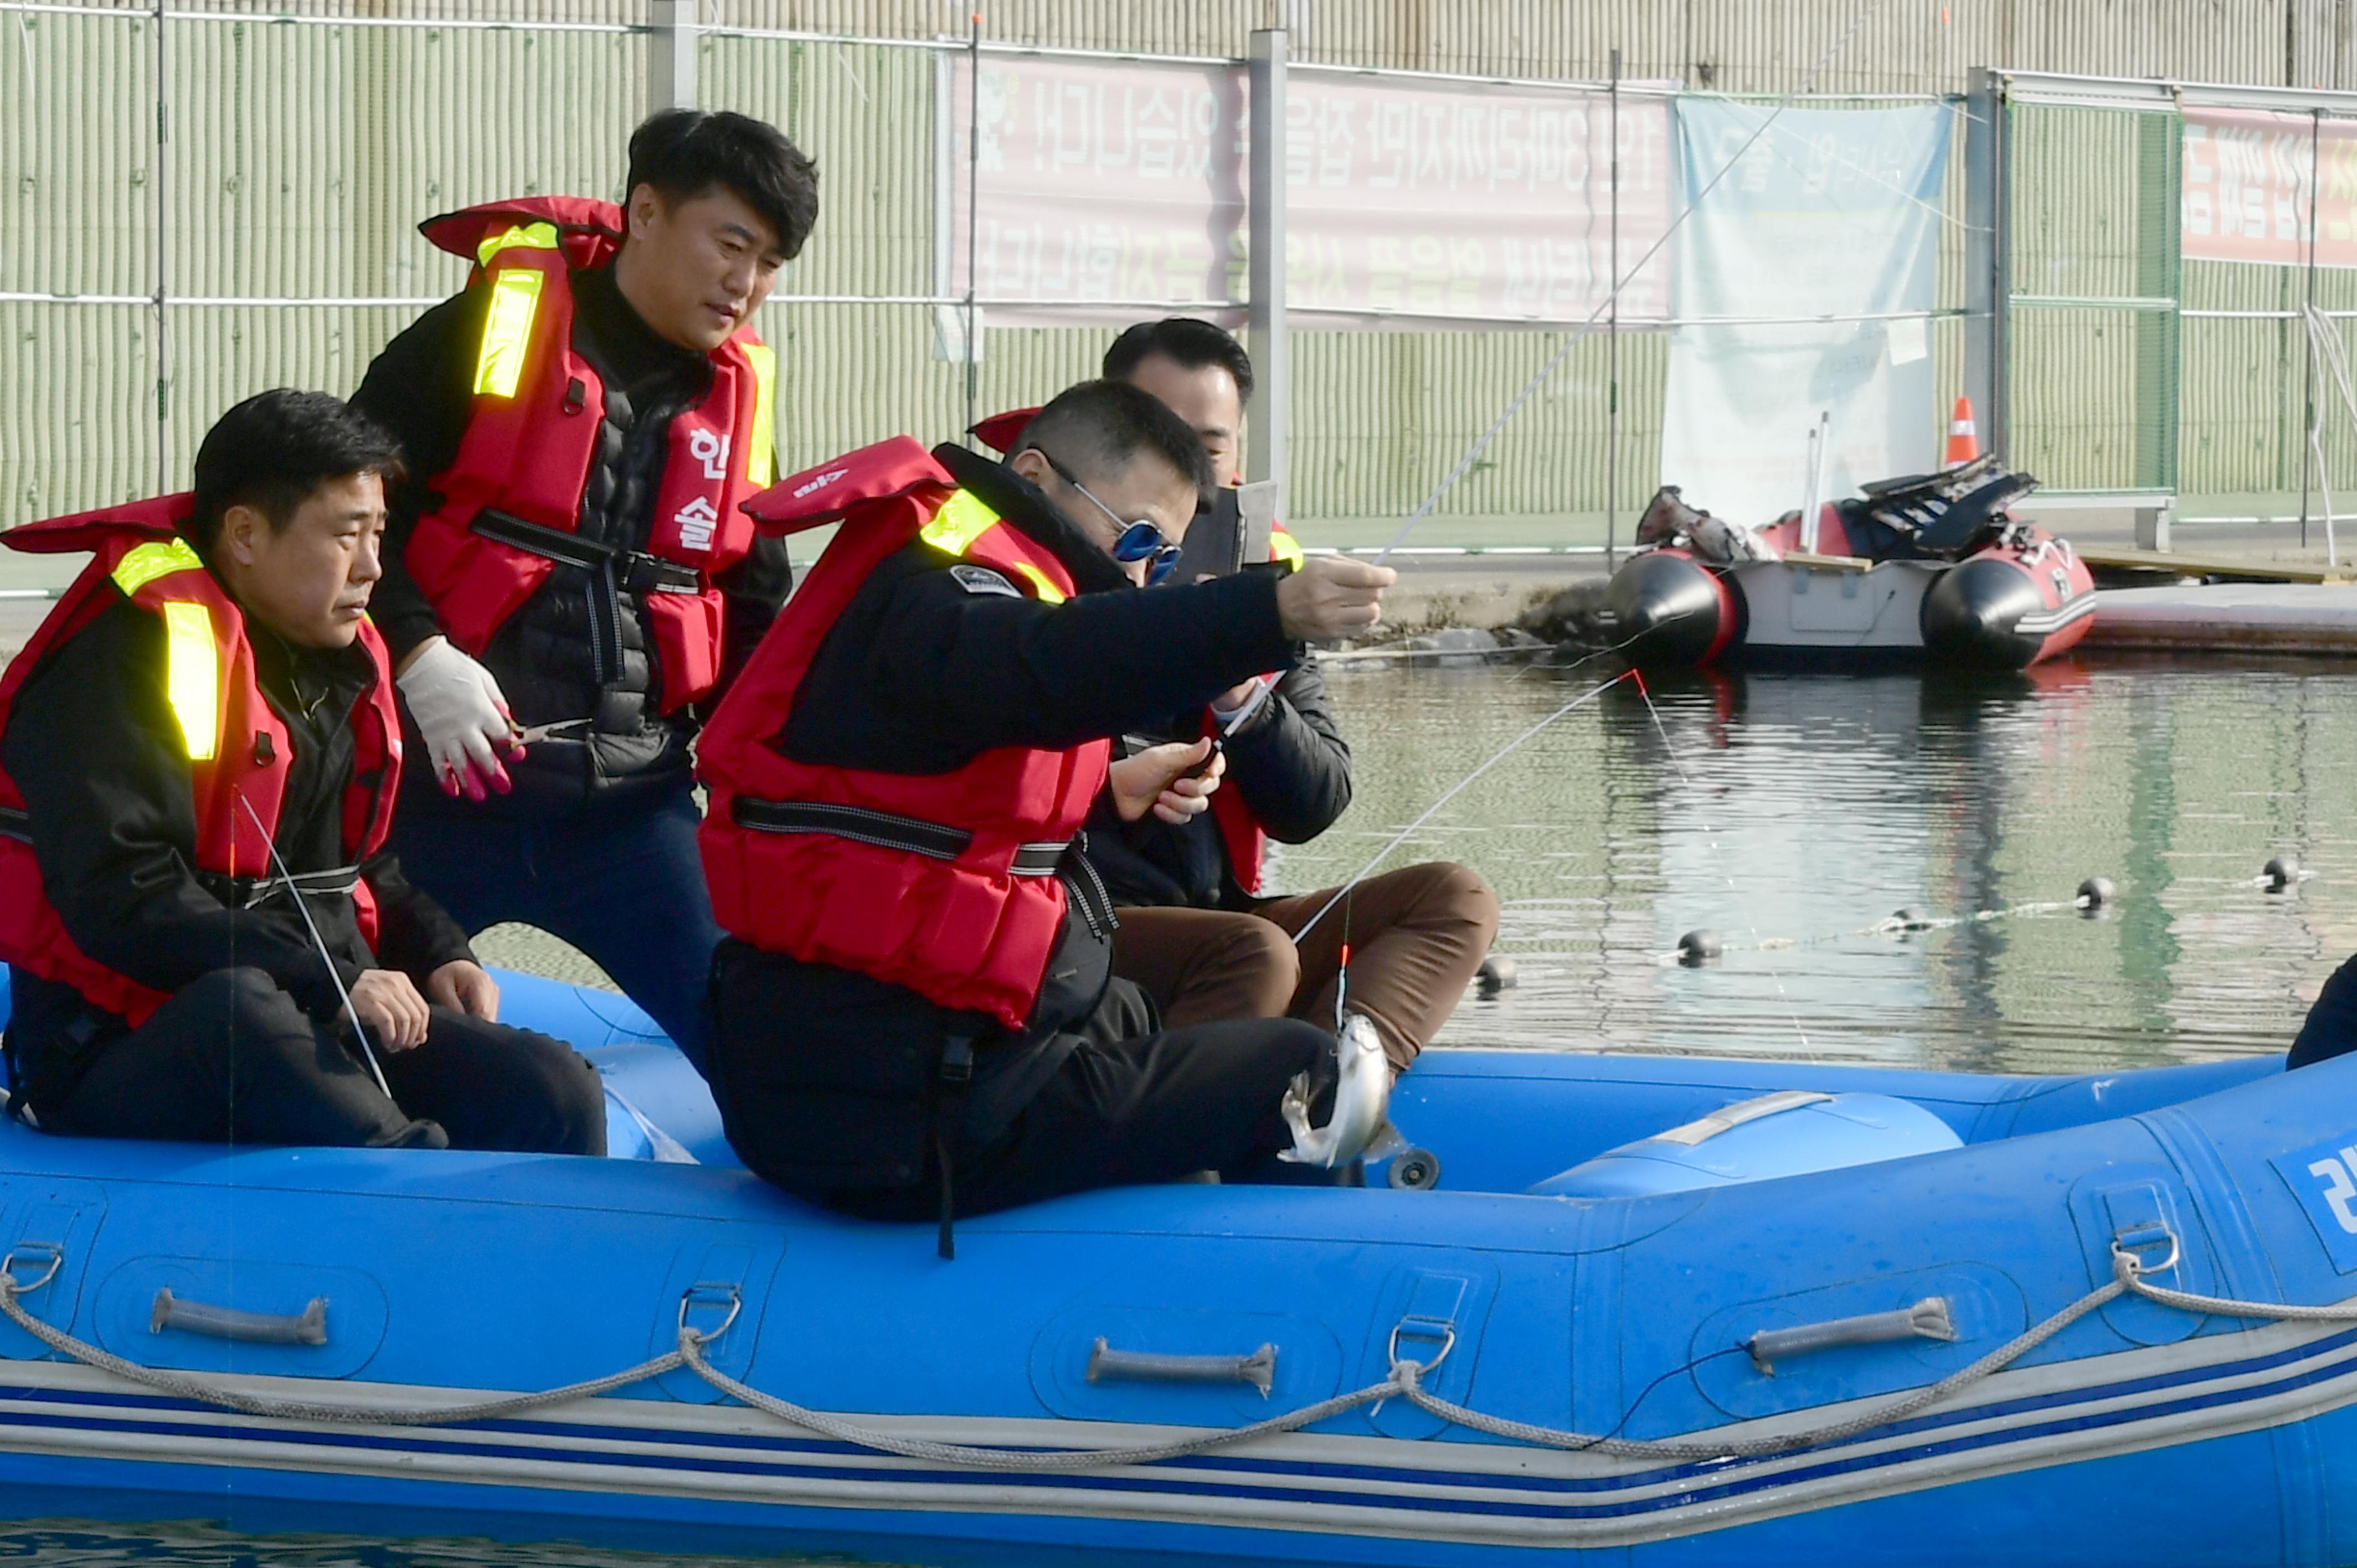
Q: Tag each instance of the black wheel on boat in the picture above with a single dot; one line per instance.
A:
(1668, 609)
(1972, 615)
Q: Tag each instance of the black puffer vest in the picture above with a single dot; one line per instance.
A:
(577, 655)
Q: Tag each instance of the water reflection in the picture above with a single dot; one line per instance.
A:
(1793, 812)
(79, 1543)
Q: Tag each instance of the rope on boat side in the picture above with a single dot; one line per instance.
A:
(163, 1381)
(1404, 1382)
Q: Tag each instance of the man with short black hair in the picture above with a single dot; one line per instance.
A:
(206, 938)
(1199, 937)
(569, 583)
(915, 1012)
(1202, 373)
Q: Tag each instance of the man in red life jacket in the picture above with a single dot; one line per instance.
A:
(201, 753)
(915, 1012)
(570, 580)
(1195, 932)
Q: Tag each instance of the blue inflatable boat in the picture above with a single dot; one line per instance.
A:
(1618, 1310)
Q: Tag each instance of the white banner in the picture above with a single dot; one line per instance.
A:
(1105, 183)
(1832, 212)
(2251, 188)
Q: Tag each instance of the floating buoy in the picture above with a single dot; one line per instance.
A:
(2279, 873)
(1496, 974)
(1909, 919)
(2096, 891)
(1699, 946)
(1415, 1170)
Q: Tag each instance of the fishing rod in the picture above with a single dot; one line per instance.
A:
(1619, 285)
(294, 892)
(1454, 790)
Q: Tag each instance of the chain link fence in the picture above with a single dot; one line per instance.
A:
(2166, 245)
(200, 204)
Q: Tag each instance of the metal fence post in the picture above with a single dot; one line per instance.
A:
(2159, 275)
(162, 252)
(670, 56)
(1265, 450)
(1988, 269)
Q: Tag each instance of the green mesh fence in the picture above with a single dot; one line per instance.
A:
(2136, 369)
(2092, 375)
(303, 157)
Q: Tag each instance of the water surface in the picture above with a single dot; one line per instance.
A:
(1793, 812)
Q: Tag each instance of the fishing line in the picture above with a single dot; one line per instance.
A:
(1630, 1414)
(295, 893)
(1454, 790)
(1530, 387)
(1907, 923)
(1718, 853)
(1588, 658)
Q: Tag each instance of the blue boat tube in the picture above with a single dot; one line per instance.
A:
(1898, 1317)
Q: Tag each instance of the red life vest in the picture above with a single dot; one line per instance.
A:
(238, 750)
(1240, 831)
(511, 500)
(943, 883)
(1247, 844)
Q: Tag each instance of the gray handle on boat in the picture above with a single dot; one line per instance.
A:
(1927, 1319)
(1259, 1368)
(308, 1326)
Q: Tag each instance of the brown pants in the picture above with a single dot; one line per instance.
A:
(1416, 937)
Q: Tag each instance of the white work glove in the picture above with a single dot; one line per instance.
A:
(463, 717)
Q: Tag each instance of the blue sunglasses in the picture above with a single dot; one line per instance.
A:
(1139, 541)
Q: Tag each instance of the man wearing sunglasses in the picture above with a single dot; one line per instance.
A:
(914, 1015)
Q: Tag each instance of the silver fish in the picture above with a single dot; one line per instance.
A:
(1362, 1095)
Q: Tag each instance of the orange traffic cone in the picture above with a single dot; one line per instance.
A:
(1963, 441)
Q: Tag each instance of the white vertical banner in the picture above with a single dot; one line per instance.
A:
(1831, 212)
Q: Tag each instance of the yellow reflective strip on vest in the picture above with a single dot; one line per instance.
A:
(1046, 591)
(507, 331)
(1283, 546)
(192, 675)
(530, 236)
(762, 450)
(144, 564)
(961, 519)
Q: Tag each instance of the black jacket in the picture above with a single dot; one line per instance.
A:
(93, 745)
(579, 649)
(1290, 765)
(920, 675)
(1288, 762)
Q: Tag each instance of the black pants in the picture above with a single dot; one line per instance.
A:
(826, 1083)
(231, 1059)
(2331, 1026)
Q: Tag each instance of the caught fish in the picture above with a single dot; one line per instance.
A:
(1360, 1125)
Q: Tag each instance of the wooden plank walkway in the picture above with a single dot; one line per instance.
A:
(2246, 568)
(2228, 618)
